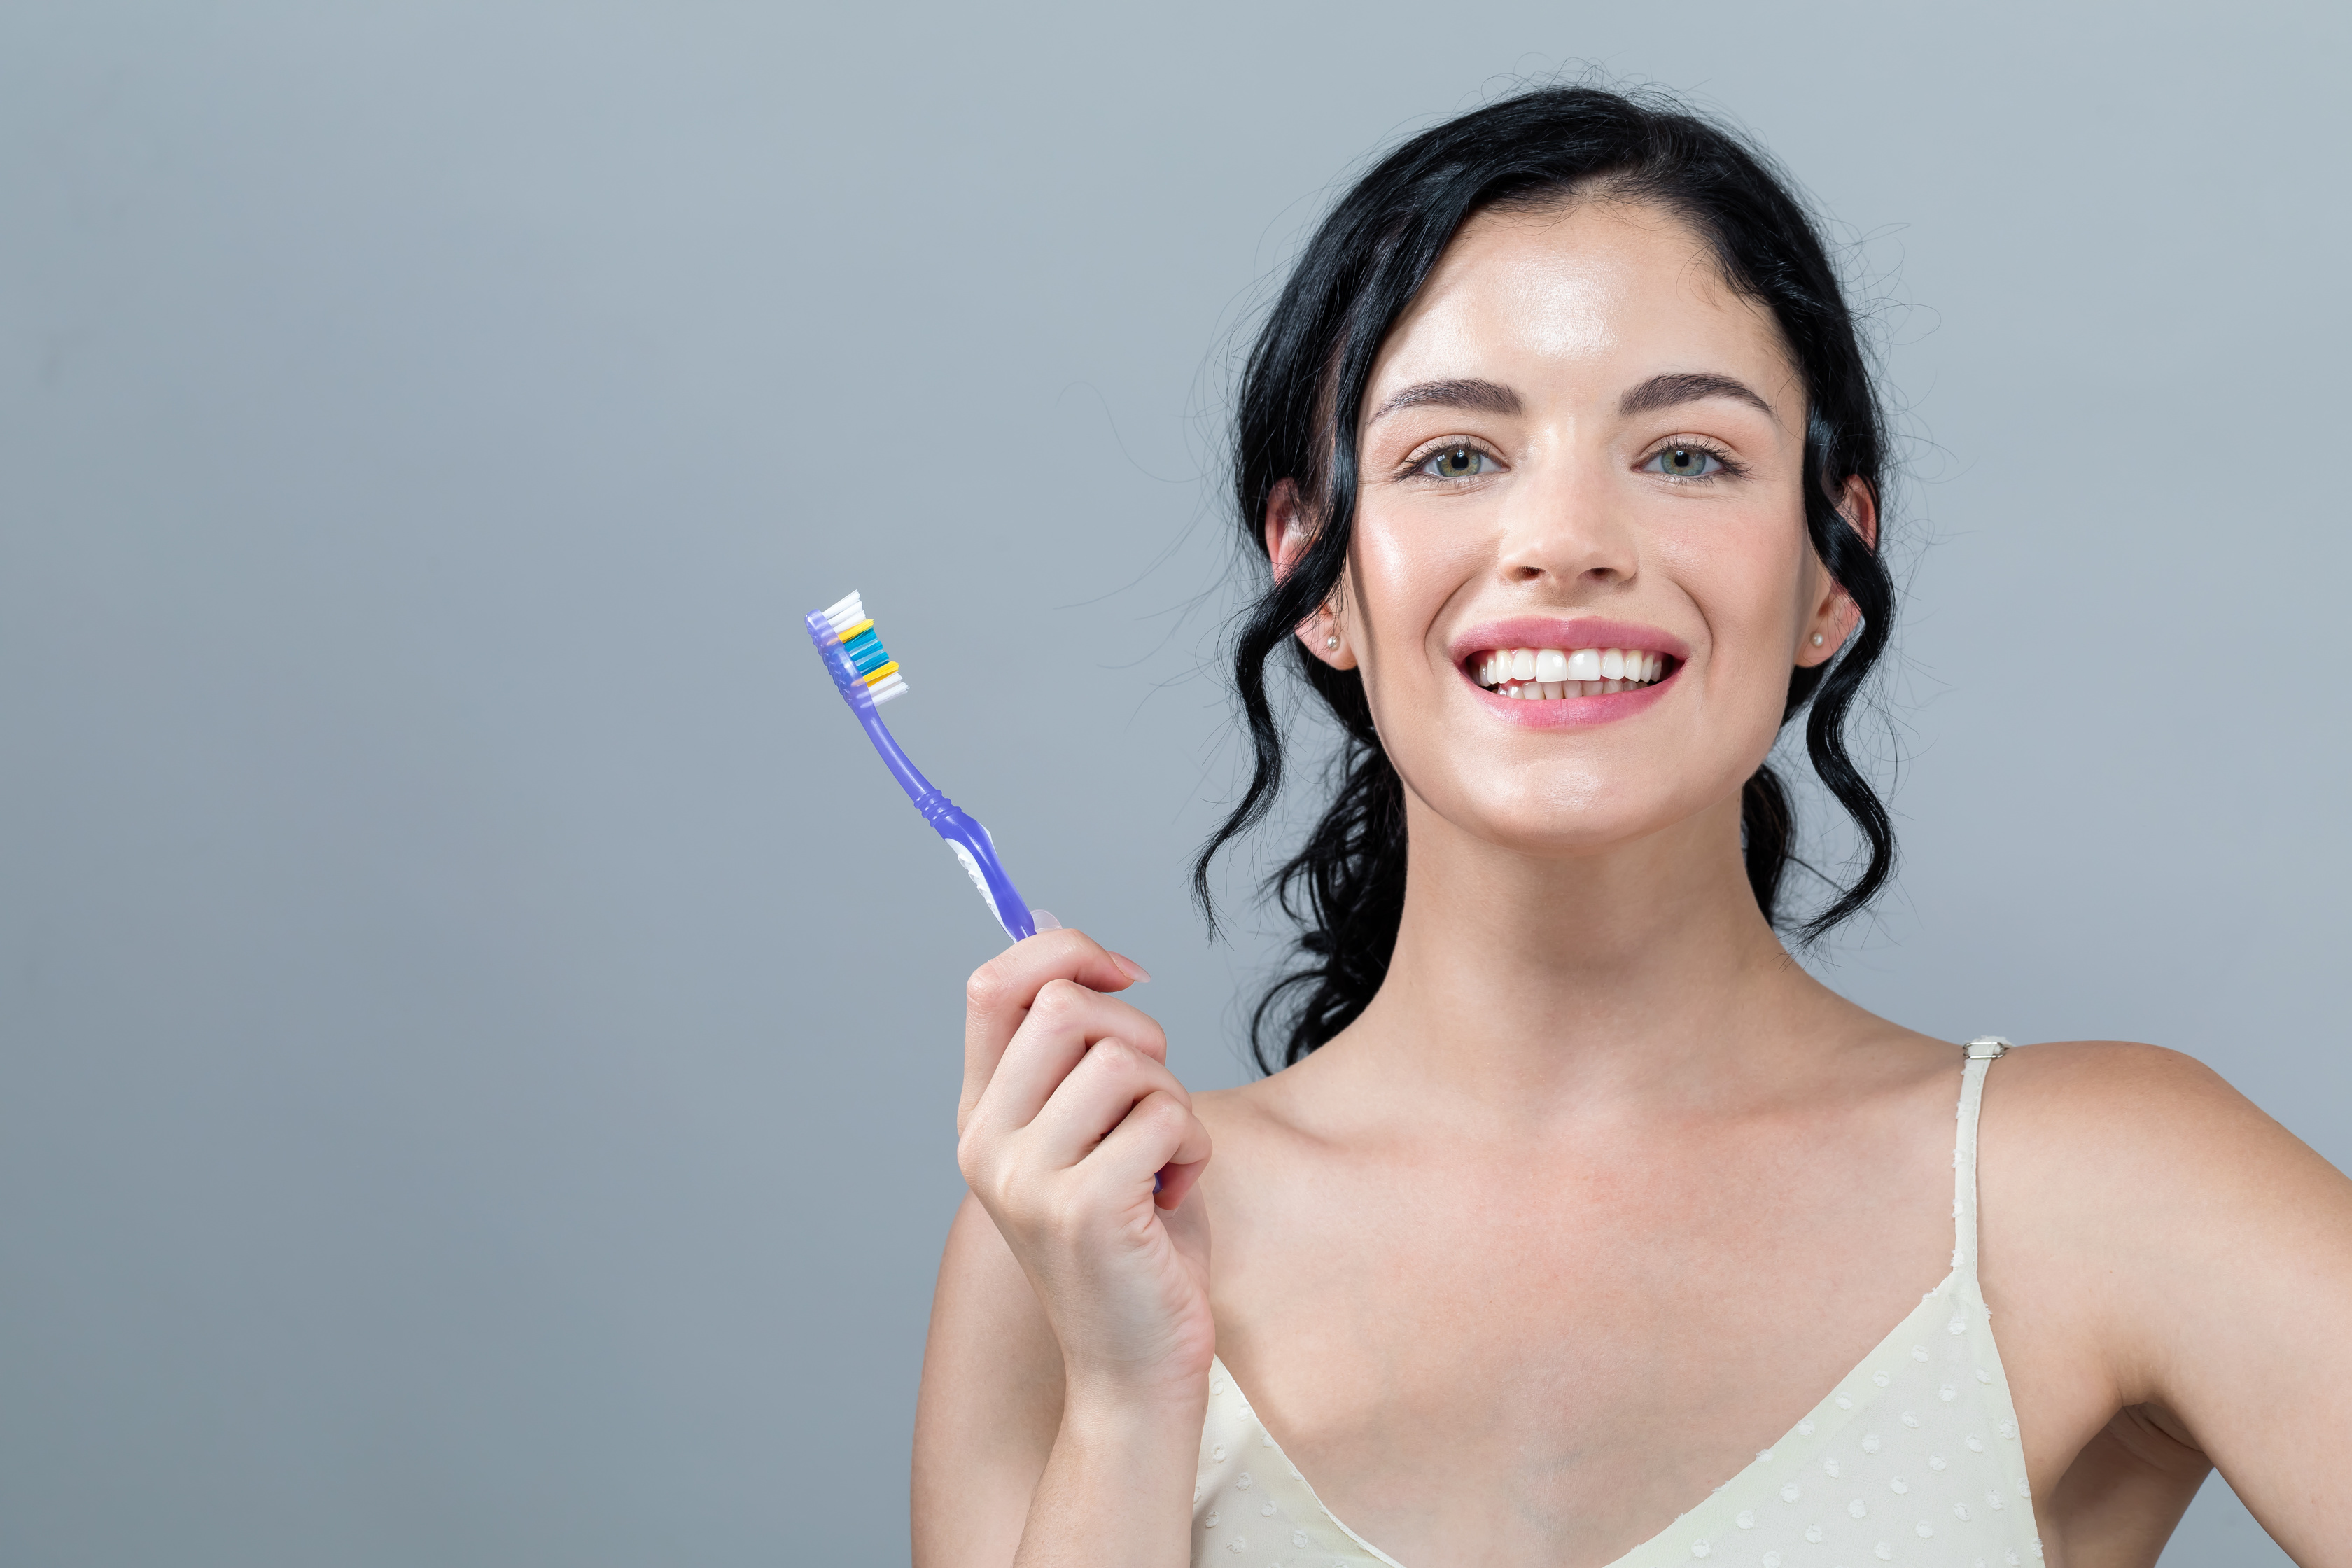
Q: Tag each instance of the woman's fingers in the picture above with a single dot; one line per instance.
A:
(1158, 1138)
(1176, 1179)
(1110, 1083)
(1000, 994)
(1066, 1020)
(1068, 1120)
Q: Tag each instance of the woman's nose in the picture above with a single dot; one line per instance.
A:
(1565, 526)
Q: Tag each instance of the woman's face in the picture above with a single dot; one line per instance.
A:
(1580, 576)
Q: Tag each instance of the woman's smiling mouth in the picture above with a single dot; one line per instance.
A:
(1551, 674)
(1578, 670)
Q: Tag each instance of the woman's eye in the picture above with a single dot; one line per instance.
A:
(1457, 463)
(1686, 463)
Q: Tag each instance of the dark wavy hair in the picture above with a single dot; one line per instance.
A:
(1302, 397)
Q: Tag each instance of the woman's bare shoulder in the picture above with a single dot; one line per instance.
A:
(1246, 1110)
(2116, 1176)
(1272, 1117)
(2128, 1105)
(2093, 1128)
(1268, 1143)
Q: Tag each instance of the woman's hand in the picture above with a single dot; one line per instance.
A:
(1082, 1145)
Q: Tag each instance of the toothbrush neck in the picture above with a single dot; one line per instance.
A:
(928, 799)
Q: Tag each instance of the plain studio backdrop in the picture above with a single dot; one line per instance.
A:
(479, 1034)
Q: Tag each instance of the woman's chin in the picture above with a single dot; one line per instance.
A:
(1580, 831)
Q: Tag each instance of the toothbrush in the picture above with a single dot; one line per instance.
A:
(868, 676)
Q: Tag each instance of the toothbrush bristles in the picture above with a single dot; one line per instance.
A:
(845, 614)
(858, 638)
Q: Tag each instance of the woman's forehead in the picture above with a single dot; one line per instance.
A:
(1590, 291)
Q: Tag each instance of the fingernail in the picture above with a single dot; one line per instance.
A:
(1132, 969)
(1155, 1181)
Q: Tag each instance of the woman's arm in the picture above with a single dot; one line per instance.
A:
(991, 1402)
(988, 1431)
(2208, 1253)
(1065, 1379)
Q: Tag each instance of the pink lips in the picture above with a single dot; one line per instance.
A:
(1548, 631)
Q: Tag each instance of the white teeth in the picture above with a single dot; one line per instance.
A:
(1549, 674)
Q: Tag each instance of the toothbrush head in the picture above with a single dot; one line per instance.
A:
(853, 648)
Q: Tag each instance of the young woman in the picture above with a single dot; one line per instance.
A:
(1580, 1225)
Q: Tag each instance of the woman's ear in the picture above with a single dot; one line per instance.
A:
(1288, 532)
(1835, 615)
(1859, 507)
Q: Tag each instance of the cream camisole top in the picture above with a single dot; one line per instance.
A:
(1912, 1459)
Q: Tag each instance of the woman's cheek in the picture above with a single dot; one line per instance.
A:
(1748, 579)
(1408, 571)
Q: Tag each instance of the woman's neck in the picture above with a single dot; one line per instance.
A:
(1529, 988)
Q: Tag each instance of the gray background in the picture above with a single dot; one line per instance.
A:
(478, 1032)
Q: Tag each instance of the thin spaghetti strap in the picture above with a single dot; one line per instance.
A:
(1981, 1052)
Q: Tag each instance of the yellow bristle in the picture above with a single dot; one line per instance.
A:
(889, 669)
(860, 627)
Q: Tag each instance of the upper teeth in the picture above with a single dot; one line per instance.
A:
(1538, 672)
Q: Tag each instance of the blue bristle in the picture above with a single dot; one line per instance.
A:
(872, 659)
(866, 640)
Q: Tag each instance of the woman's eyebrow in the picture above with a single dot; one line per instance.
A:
(1687, 387)
(1485, 397)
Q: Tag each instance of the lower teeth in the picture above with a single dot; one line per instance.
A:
(1531, 690)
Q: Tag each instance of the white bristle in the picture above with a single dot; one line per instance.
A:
(833, 612)
(848, 617)
(886, 688)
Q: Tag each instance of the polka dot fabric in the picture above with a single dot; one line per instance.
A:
(1913, 1458)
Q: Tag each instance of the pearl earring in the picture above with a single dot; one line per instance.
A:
(1332, 642)
(1817, 639)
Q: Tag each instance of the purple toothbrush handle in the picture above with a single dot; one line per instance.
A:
(962, 831)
